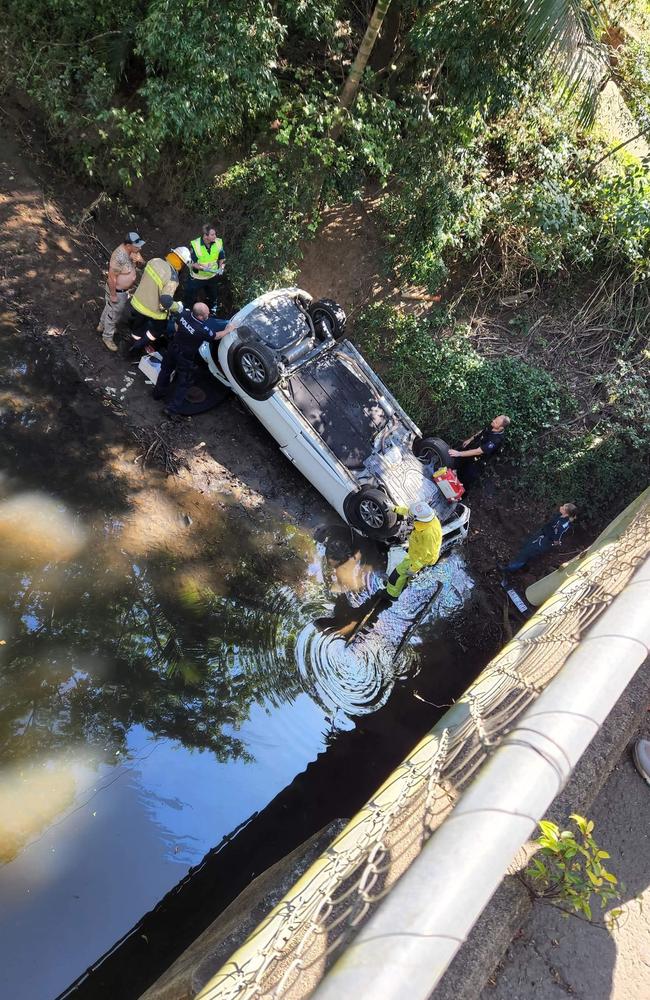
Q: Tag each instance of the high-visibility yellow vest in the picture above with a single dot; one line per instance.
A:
(146, 299)
(206, 255)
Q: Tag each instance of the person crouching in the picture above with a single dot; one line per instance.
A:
(180, 357)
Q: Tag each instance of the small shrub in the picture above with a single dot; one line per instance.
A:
(568, 870)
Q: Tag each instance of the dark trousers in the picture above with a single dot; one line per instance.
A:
(183, 365)
(469, 469)
(139, 325)
(197, 290)
(531, 550)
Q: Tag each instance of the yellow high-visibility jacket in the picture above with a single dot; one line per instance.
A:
(205, 255)
(159, 278)
(424, 542)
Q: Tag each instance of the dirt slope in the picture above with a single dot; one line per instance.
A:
(53, 275)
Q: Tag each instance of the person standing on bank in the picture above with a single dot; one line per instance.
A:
(121, 277)
(180, 357)
(153, 299)
(475, 451)
(549, 536)
(208, 263)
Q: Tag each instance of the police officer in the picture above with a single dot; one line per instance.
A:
(549, 536)
(424, 546)
(475, 451)
(180, 357)
(208, 263)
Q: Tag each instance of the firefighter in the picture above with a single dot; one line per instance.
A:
(423, 549)
(208, 263)
(153, 299)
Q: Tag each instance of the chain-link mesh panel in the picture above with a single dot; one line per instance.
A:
(287, 955)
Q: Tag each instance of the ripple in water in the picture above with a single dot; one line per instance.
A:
(358, 678)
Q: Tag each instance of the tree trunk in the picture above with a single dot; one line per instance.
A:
(351, 86)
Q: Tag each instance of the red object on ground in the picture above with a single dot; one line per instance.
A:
(448, 483)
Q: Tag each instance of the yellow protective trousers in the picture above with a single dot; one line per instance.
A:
(399, 578)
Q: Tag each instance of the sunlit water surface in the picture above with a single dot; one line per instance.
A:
(164, 672)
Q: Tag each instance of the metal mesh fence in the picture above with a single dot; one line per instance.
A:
(287, 955)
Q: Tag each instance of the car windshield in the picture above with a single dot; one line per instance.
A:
(278, 321)
(340, 404)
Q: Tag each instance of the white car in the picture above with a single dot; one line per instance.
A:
(330, 414)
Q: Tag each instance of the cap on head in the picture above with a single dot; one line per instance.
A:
(421, 511)
(135, 239)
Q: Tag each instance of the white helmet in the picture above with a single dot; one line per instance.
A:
(421, 511)
(184, 254)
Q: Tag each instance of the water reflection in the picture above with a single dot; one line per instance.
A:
(352, 658)
(161, 675)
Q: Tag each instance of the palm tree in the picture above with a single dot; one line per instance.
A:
(351, 85)
(566, 33)
(569, 35)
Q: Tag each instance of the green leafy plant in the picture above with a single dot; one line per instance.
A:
(568, 870)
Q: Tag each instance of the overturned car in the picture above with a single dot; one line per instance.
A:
(331, 415)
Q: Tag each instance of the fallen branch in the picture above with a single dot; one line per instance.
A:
(156, 448)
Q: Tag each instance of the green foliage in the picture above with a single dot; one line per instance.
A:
(446, 385)
(126, 85)
(634, 73)
(605, 467)
(568, 869)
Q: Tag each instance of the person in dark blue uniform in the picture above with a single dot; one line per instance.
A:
(475, 451)
(549, 536)
(180, 357)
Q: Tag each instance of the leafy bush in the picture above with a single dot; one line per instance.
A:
(125, 85)
(447, 386)
(605, 467)
(568, 870)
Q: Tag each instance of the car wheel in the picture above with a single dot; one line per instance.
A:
(370, 512)
(255, 368)
(432, 452)
(328, 317)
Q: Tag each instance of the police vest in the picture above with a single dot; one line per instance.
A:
(206, 255)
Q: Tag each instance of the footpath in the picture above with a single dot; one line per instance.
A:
(553, 956)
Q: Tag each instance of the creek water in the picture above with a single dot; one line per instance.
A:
(169, 665)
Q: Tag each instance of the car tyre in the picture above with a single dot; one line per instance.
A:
(369, 511)
(327, 314)
(431, 451)
(254, 367)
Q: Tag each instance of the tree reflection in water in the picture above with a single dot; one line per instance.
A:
(90, 651)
